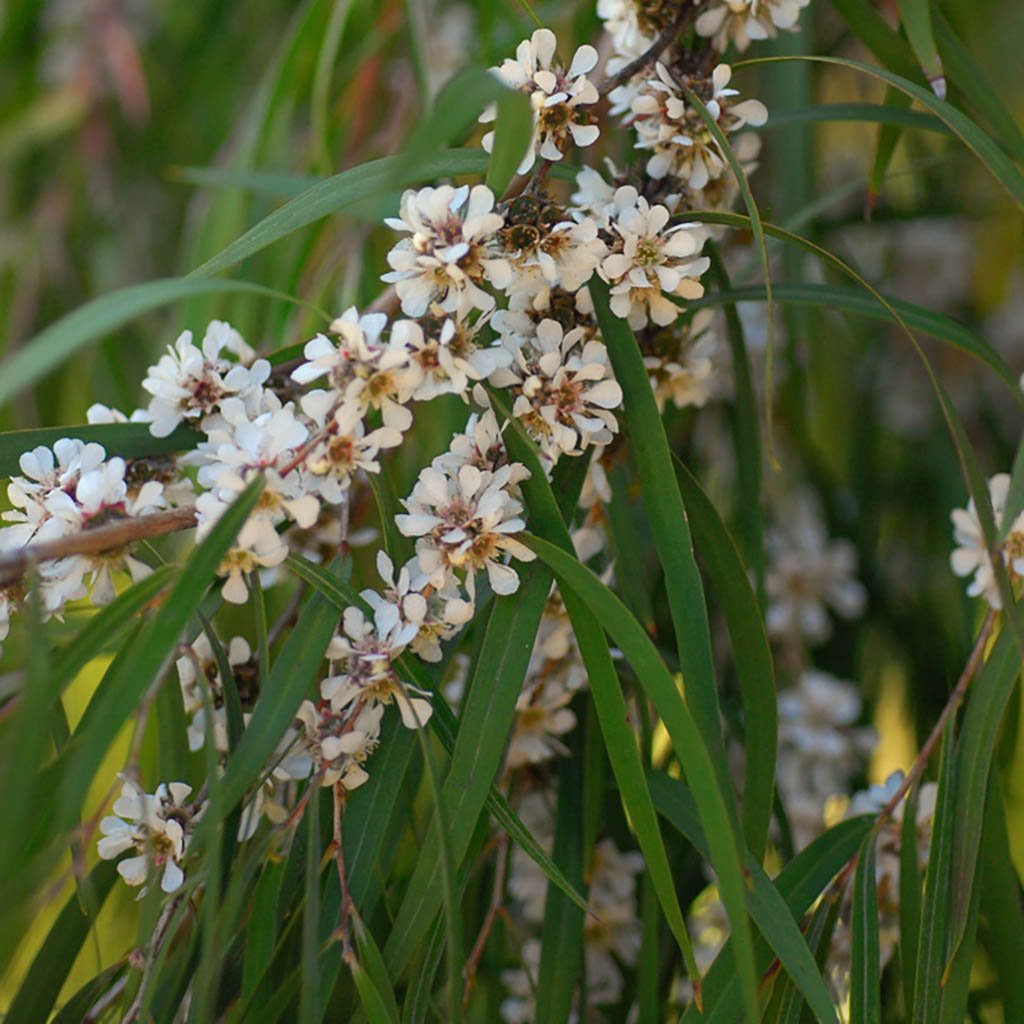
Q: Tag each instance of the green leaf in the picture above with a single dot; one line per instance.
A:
(70, 334)
(855, 301)
(746, 434)
(1000, 904)
(271, 184)
(988, 152)
(935, 908)
(909, 896)
(865, 980)
(291, 679)
(716, 815)
(751, 654)
(562, 935)
(513, 134)
(309, 994)
(261, 930)
(871, 29)
(129, 440)
(667, 515)
(369, 995)
(767, 907)
(965, 73)
(800, 883)
(987, 700)
(873, 113)
(885, 146)
(339, 192)
(916, 16)
(372, 963)
(605, 689)
(43, 981)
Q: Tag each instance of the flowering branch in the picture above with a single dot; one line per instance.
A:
(14, 565)
(667, 36)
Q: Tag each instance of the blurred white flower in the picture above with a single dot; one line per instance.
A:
(745, 21)
(807, 574)
(681, 145)
(198, 671)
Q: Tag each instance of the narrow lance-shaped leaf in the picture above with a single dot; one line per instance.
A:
(667, 515)
(751, 654)
(717, 817)
(865, 979)
(916, 16)
(61, 340)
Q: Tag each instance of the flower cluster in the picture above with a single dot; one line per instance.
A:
(495, 309)
(64, 491)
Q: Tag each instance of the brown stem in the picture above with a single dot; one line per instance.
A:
(339, 859)
(159, 934)
(497, 899)
(15, 564)
(956, 698)
(668, 34)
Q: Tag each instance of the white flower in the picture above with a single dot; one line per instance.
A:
(682, 145)
(447, 256)
(465, 522)
(557, 97)
(747, 21)
(258, 545)
(563, 390)
(806, 573)
(650, 261)
(362, 370)
(367, 649)
(681, 363)
(438, 614)
(339, 742)
(447, 355)
(189, 382)
(156, 826)
(971, 554)
(345, 449)
(631, 29)
(199, 670)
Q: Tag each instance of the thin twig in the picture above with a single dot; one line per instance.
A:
(956, 698)
(495, 908)
(159, 933)
(339, 859)
(667, 36)
(15, 564)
